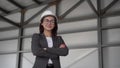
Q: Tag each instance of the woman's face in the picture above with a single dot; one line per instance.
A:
(48, 23)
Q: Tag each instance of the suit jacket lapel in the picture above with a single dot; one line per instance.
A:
(44, 41)
(54, 41)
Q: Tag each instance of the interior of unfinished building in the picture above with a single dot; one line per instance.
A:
(90, 29)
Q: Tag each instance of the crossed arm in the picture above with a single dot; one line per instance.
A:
(37, 50)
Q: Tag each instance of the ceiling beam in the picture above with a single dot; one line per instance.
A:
(110, 27)
(16, 4)
(45, 1)
(8, 28)
(4, 10)
(70, 47)
(64, 32)
(92, 6)
(38, 13)
(9, 21)
(54, 2)
(37, 1)
(27, 8)
(57, 5)
(109, 6)
(112, 14)
(71, 9)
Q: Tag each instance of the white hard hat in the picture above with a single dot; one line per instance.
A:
(46, 13)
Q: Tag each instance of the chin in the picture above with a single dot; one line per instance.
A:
(49, 29)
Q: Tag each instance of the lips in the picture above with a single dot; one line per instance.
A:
(48, 26)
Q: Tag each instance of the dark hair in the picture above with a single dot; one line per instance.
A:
(54, 30)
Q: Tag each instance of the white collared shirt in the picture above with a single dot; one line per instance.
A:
(50, 45)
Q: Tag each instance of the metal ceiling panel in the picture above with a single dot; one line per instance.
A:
(4, 24)
(31, 12)
(105, 3)
(115, 7)
(82, 10)
(66, 4)
(94, 2)
(7, 5)
(14, 17)
(24, 2)
(0, 12)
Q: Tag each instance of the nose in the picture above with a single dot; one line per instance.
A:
(49, 23)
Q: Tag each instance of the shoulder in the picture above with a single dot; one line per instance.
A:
(35, 35)
(59, 37)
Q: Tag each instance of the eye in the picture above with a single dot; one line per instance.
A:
(47, 21)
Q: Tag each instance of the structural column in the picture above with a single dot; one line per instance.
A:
(20, 40)
(99, 31)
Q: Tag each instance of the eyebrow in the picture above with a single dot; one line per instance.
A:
(50, 20)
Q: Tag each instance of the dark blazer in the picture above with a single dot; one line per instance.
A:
(39, 42)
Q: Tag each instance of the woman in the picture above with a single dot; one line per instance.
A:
(47, 46)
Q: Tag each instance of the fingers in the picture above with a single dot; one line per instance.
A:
(45, 49)
(62, 46)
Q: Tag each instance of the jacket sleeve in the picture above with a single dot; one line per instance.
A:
(37, 50)
(59, 51)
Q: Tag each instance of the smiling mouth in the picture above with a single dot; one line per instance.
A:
(49, 26)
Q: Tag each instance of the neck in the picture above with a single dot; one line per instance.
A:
(48, 33)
